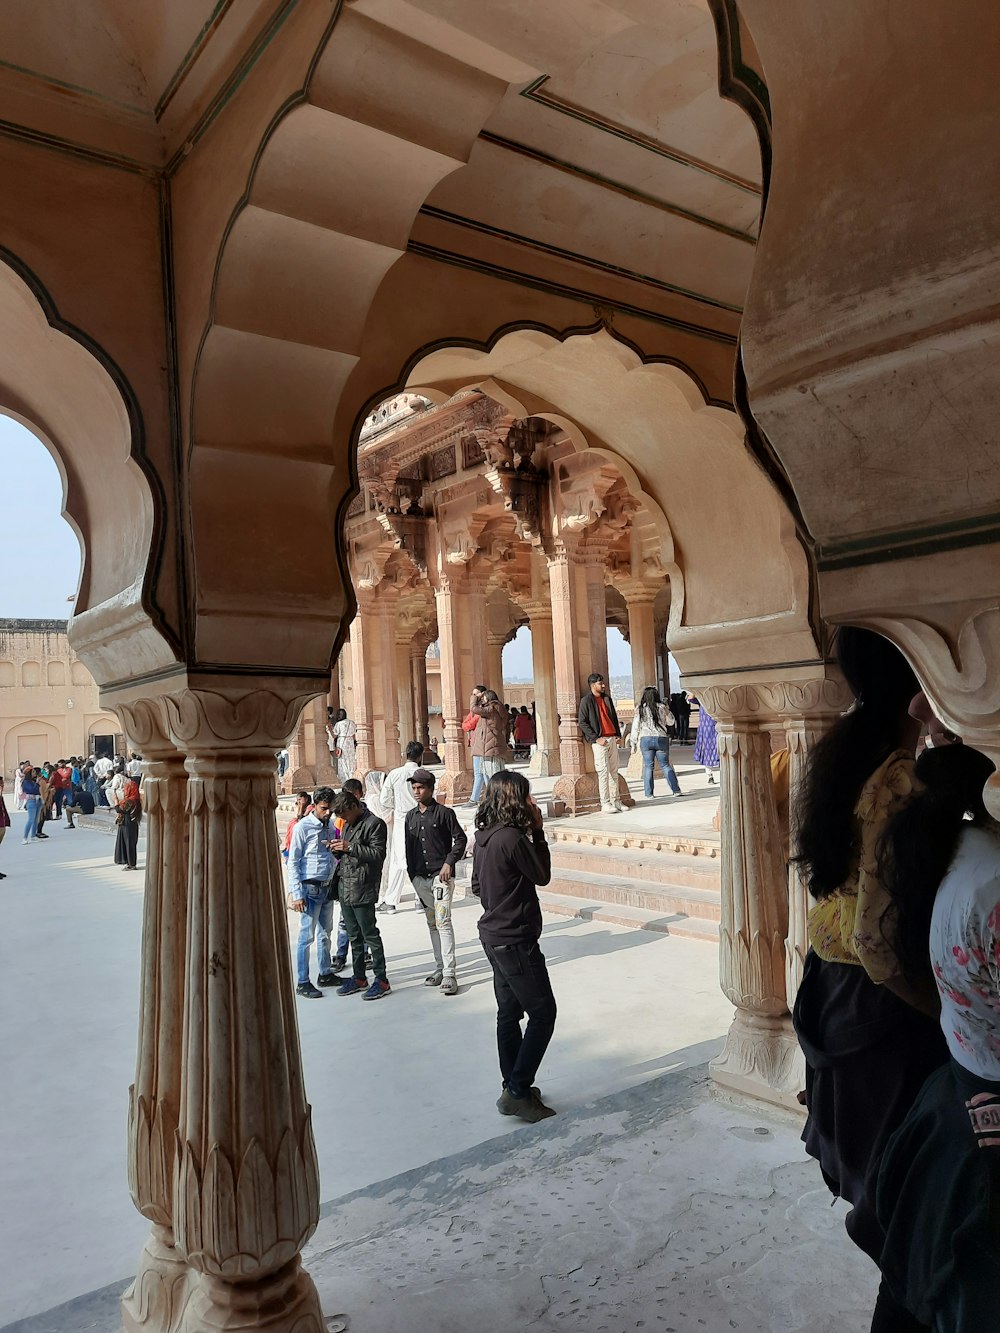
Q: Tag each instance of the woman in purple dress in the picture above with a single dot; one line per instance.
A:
(706, 745)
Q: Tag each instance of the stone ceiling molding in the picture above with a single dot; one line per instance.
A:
(93, 430)
(328, 211)
(683, 457)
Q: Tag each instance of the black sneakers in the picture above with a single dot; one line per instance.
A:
(309, 991)
(329, 979)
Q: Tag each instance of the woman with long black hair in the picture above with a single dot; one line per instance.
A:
(510, 859)
(650, 735)
(869, 1032)
(939, 1181)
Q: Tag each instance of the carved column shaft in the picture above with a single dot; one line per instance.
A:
(219, 1100)
(577, 787)
(162, 1279)
(545, 761)
(362, 629)
(594, 564)
(418, 676)
(494, 663)
(760, 1048)
(404, 695)
(381, 657)
(461, 616)
(642, 644)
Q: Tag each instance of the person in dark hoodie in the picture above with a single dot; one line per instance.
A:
(510, 860)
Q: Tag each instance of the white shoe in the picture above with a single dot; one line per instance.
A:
(619, 808)
(609, 809)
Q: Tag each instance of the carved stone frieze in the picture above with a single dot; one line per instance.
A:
(774, 700)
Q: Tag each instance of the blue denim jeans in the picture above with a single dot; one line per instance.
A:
(479, 782)
(317, 919)
(32, 808)
(658, 748)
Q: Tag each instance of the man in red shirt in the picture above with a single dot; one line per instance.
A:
(62, 782)
(598, 721)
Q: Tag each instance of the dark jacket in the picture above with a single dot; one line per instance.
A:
(589, 719)
(507, 867)
(359, 870)
(489, 740)
(433, 838)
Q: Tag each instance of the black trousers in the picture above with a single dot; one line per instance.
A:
(521, 984)
(363, 932)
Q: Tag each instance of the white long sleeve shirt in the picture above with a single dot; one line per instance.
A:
(641, 725)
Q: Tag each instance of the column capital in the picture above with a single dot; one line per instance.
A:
(217, 712)
(762, 704)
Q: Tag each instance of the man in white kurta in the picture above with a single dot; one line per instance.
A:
(397, 801)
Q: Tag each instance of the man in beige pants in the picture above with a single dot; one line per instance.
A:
(598, 721)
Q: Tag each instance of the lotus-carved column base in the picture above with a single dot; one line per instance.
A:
(544, 764)
(578, 792)
(453, 788)
(761, 1058)
(283, 1302)
(157, 1298)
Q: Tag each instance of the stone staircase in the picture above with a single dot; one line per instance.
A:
(664, 882)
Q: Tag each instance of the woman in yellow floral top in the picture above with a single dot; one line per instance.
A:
(864, 1028)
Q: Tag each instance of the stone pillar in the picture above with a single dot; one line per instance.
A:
(418, 675)
(762, 938)
(404, 694)
(362, 628)
(382, 657)
(642, 643)
(461, 617)
(595, 561)
(218, 1028)
(761, 1055)
(545, 760)
(577, 787)
(494, 662)
(298, 775)
(323, 763)
(333, 696)
(157, 1297)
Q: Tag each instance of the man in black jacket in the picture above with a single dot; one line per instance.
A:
(361, 852)
(598, 721)
(435, 843)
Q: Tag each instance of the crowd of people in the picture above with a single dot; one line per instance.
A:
(898, 1013)
(73, 787)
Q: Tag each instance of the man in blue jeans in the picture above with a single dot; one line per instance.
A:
(311, 867)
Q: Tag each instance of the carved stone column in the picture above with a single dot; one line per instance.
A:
(362, 629)
(381, 656)
(594, 560)
(461, 617)
(333, 695)
(246, 1184)
(418, 676)
(761, 1056)
(404, 694)
(577, 787)
(157, 1297)
(642, 643)
(545, 760)
(494, 661)
(762, 937)
(221, 1156)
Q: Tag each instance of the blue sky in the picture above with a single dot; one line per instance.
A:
(39, 552)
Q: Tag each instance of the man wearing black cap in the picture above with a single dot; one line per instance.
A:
(435, 843)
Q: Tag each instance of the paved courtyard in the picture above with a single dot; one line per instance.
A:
(645, 1202)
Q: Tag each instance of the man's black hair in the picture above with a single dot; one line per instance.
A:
(323, 794)
(354, 786)
(344, 802)
(594, 677)
(414, 751)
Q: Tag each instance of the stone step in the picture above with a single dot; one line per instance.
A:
(663, 899)
(654, 867)
(682, 842)
(590, 909)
